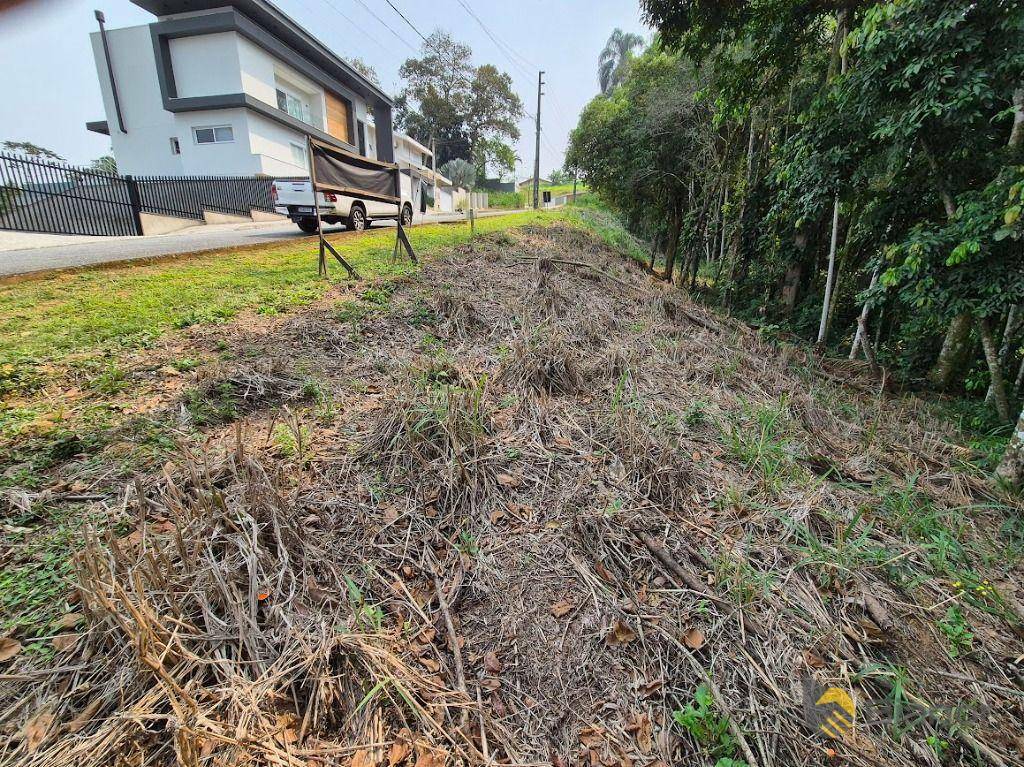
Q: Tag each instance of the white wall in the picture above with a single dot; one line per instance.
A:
(205, 65)
(270, 143)
(145, 148)
(230, 159)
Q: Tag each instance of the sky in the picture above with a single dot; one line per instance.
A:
(51, 89)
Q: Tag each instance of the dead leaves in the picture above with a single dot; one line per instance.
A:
(620, 634)
(694, 639)
(36, 730)
(491, 663)
(64, 642)
(561, 608)
(9, 647)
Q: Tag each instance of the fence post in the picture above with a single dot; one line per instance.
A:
(135, 202)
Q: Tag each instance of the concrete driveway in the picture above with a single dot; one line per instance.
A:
(23, 253)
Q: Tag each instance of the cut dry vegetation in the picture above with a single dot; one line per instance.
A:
(524, 507)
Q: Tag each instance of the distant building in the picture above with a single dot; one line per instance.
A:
(229, 87)
(527, 185)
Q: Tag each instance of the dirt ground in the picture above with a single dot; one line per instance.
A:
(532, 507)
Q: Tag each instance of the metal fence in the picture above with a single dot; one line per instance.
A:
(44, 196)
(189, 196)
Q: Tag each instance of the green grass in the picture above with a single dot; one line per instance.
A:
(506, 199)
(557, 189)
(124, 307)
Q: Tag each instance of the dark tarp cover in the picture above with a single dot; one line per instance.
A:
(339, 171)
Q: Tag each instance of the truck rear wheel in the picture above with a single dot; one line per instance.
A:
(407, 215)
(357, 218)
(308, 225)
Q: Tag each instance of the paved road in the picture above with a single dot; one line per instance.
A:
(24, 253)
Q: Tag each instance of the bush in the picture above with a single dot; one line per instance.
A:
(506, 199)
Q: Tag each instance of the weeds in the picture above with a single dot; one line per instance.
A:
(957, 631)
(706, 726)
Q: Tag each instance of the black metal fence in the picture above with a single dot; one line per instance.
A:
(45, 196)
(189, 196)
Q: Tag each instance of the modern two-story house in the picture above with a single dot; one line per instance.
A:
(230, 87)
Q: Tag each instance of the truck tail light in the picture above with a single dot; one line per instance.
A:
(273, 192)
(330, 197)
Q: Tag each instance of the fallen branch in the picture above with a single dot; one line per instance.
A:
(693, 583)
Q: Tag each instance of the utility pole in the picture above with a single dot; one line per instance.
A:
(536, 153)
(433, 167)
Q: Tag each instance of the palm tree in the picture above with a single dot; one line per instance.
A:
(613, 61)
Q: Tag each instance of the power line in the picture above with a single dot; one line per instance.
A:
(369, 10)
(501, 47)
(355, 24)
(411, 25)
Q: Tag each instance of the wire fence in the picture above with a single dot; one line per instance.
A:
(38, 195)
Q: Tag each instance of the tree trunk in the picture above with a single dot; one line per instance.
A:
(830, 277)
(1011, 468)
(833, 245)
(1017, 132)
(654, 249)
(673, 244)
(1006, 345)
(953, 356)
(737, 242)
(860, 335)
(988, 343)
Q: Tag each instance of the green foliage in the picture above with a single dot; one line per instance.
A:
(506, 200)
(731, 139)
(957, 632)
(706, 726)
(465, 108)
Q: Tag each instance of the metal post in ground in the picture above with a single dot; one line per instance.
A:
(135, 202)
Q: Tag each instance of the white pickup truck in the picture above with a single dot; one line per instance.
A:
(294, 198)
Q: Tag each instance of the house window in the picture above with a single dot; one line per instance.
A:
(175, 146)
(299, 155)
(219, 134)
(294, 103)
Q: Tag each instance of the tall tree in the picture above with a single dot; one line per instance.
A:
(459, 105)
(613, 62)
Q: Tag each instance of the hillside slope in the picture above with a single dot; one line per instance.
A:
(537, 509)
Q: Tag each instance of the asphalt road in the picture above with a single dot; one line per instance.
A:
(60, 252)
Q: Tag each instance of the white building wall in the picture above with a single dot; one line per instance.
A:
(234, 158)
(270, 143)
(145, 149)
(205, 65)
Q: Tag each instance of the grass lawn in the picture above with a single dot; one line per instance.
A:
(103, 310)
(556, 189)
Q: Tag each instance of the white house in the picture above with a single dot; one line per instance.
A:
(229, 87)
(411, 154)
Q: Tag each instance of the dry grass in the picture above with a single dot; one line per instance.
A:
(592, 505)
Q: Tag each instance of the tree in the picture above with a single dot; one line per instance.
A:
(364, 69)
(30, 149)
(613, 62)
(560, 176)
(497, 155)
(461, 172)
(104, 164)
(455, 103)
